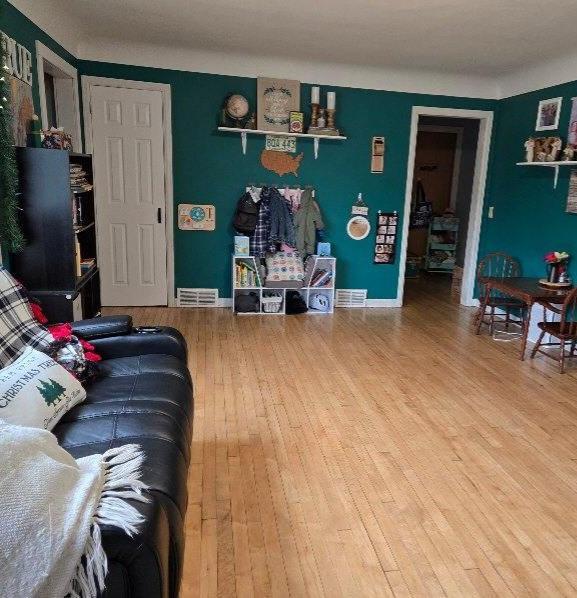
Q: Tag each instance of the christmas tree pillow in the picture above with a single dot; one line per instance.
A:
(36, 391)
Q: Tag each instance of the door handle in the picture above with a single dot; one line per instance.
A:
(159, 216)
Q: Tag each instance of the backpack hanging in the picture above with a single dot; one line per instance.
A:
(422, 210)
(245, 215)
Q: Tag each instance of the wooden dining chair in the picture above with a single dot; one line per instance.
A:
(497, 265)
(565, 329)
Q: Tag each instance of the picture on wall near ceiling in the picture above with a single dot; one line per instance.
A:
(276, 99)
(22, 110)
(572, 133)
(548, 114)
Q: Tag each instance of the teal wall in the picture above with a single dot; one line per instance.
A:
(209, 168)
(530, 217)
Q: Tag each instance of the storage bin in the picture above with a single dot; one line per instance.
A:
(271, 304)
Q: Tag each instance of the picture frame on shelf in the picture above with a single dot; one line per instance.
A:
(276, 99)
(548, 114)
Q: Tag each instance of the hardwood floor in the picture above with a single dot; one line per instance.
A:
(375, 453)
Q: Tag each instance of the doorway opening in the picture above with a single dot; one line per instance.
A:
(59, 98)
(446, 175)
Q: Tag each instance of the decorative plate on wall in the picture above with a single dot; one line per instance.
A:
(358, 228)
(276, 99)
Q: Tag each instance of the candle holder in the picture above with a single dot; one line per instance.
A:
(314, 115)
(331, 118)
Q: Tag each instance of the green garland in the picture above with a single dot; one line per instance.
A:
(10, 234)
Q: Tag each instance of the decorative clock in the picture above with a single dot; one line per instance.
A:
(196, 216)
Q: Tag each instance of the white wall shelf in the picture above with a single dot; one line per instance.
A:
(244, 132)
(555, 165)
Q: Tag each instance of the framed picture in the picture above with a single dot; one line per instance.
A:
(548, 114)
(296, 122)
(276, 99)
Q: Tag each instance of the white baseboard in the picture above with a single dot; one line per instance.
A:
(384, 303)
(227, 302)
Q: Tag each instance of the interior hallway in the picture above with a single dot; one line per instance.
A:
(378, 452)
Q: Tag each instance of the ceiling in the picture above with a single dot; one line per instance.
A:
(481, 37)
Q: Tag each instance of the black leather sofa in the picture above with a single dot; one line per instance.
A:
(144, 396)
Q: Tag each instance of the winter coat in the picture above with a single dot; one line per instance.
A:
(307, 220)
(281, 220)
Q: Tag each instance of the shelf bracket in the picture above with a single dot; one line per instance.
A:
(316, 144)
(243, 142)
(556, 179)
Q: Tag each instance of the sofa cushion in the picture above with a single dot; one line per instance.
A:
(143, 400)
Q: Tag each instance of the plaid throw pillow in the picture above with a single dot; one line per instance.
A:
(18, 328)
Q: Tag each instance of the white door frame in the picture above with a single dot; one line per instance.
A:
(485, 118)
(458, 131)
(87, 83)
(45, 54)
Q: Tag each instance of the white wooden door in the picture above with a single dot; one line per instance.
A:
(129, 169)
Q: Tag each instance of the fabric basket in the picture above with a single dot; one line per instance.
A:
(271, 304)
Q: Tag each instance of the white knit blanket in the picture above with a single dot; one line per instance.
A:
(51, 510)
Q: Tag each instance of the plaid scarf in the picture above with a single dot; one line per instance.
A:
(18, 328)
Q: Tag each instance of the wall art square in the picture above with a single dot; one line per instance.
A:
(276, 99)
(548, 114)
(22, 110)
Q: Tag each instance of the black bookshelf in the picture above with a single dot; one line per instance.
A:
(57, 223)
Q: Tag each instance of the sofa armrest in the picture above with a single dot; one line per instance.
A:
(139, 565)
(143, 341)
(103, 327)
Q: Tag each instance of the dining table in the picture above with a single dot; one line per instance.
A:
(525, 289)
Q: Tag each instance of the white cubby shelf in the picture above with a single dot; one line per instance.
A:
(307, 291)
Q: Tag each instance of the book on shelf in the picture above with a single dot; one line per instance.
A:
(245, 275)
(321, 278)
(79, 182)
(78, 257)
(87, 264)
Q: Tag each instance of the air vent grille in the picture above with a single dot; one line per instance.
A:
(197, 297)
(351, 298)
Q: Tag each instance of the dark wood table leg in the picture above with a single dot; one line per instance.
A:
(482, 308)
(526, 325)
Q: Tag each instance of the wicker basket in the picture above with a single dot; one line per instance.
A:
(271, 304)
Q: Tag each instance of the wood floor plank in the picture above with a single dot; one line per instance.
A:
(377, 452)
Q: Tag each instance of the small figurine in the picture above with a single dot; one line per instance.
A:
(554, 150)
(321, 121)
(530, 150)
(568, 153)
(541, 156)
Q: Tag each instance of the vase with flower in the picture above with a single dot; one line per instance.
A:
(556, 266)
